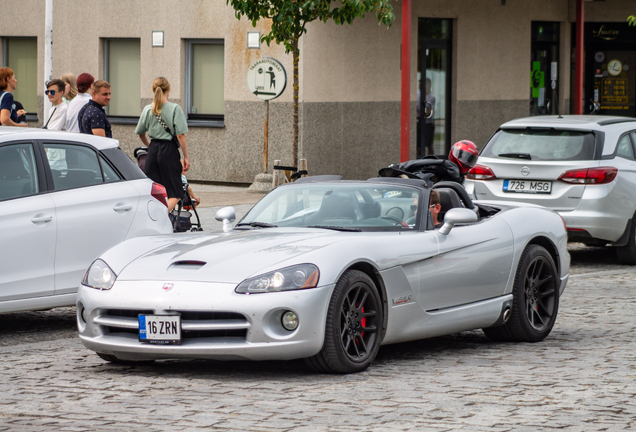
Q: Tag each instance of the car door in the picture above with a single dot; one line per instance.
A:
(94, 207)
(28, 225)
(473, 264)
(624, 192)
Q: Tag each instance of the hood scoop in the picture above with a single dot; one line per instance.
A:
(185, 266)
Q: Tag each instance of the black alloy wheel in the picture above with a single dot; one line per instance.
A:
(353, 328)
(535, 299)
(540, 294)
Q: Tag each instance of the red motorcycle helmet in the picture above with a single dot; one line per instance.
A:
(464, 154)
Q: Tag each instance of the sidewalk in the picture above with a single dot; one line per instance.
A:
(214, 198)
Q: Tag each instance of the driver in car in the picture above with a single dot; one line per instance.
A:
(435, 207)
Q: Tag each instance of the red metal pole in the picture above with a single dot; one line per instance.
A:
(405, 124)
(578, 70)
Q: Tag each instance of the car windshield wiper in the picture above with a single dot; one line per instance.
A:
(516, 155)
(336, 228)
(257, 225)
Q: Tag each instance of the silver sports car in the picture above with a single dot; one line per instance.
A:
(329, 270)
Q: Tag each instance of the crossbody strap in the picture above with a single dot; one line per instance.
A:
(163, 123)
(2, 97)
(50, 117)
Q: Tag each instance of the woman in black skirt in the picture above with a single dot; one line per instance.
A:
(163, 121)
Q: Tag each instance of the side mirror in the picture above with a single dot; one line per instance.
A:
(457, 216)
(227, 215)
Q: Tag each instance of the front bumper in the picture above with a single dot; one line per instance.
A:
(107, 321)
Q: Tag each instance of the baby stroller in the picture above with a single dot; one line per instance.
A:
(181, 215)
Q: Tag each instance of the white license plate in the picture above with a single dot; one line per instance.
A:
(160, 329)
(527, 186)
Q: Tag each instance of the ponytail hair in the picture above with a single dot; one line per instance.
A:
(159, 87)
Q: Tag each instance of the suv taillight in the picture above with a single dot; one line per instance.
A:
(600, 175)
(159, 192)
(480, 172)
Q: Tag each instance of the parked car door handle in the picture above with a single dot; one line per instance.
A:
(41, 219)
(122, 208)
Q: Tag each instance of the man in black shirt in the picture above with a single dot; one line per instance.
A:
(92, 118)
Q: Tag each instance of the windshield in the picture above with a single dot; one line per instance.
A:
(342, 206)
(541, 144)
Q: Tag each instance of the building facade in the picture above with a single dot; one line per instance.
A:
(485, 62)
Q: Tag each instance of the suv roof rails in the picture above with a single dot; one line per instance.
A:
(615, 120)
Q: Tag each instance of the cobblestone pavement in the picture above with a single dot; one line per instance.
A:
(581, 378)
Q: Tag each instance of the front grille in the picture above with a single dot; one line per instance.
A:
(202, 315)
(128, 313)
(194, 324)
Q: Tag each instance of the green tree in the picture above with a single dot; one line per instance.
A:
(289, 19)
(631, 20)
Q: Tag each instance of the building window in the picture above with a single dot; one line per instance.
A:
(21, 55)
(205, 79)
(122, 69)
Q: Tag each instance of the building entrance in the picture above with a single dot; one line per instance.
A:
(544, 62)
(433, 86)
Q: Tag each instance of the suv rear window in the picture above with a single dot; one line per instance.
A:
(541, 144)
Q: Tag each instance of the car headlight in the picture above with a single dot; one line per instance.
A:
(290, 278)
(99, 276)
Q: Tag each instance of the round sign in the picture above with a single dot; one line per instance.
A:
(614, 67)
(266, 78)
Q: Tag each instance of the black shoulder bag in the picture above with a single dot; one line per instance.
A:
(175, 140)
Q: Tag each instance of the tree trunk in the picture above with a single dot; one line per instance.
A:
(296, 55)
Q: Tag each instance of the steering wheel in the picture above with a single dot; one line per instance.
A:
(392, 218)
(396, 212)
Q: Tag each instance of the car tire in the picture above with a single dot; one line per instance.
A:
(535, 299)
(627, 254)
(353, 328)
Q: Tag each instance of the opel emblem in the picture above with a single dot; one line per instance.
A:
(167, 287)
(525, 171)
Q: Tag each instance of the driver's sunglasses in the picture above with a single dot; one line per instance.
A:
(50, 92)
(414, 207)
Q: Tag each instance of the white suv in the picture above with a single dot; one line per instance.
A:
(65, 198)
(583, 167)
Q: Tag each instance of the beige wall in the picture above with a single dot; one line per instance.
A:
(349, 74)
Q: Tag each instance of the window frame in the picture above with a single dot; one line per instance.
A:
(50, 187)
(630, 140)
(209, 120)
(39, 167)
(119, 119)
(30, 116)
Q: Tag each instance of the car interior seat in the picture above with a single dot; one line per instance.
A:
(448, 199)
(340, 206)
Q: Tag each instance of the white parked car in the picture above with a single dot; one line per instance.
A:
(583, 167)
(64, 199)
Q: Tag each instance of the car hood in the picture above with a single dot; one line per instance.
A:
(225, 258)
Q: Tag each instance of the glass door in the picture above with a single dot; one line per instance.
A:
(544, 62)
(433, 86)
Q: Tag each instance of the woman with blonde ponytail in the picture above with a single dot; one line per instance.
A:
(165, 123)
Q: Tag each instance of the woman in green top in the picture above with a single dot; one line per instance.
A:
(162, 120)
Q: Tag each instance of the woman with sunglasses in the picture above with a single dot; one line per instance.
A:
(8, 112)
(57, 114)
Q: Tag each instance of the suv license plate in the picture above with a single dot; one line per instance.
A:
(527, 186)
(160, 329)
